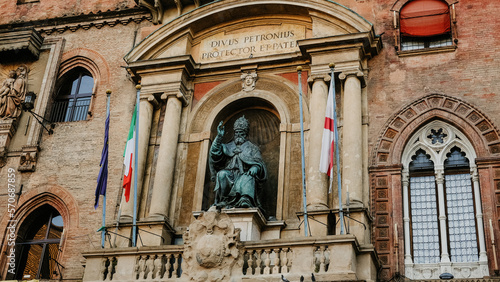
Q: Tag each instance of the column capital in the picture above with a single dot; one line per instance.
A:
(151, 99)
(474, 174)
(356, 72)
(314, 77)
(183, 97)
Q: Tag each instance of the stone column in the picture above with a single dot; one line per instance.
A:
(479, 214)
(164, 177)
(145, 118)
(406, 217)
(317, 193)
(352, 138)
(445, 256)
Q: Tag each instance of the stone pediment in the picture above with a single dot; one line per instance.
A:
(236, 30)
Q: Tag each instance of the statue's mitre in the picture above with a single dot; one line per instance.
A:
(242, 124)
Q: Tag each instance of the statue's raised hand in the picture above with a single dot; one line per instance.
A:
(220, 129)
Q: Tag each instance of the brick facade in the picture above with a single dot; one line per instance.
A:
(121, 43)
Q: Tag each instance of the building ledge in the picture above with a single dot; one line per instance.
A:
(19, 44)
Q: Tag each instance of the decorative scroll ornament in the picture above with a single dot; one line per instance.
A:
(248, 81)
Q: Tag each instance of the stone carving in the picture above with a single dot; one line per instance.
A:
(28, 159)
(12, 93)
(212, 248)
(248, 81)
(237, 168)
(3, 158)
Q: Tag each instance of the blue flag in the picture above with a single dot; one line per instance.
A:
(102, 179)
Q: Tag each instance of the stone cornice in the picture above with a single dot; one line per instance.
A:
(172, 63)
(369, 44)
(83, 21)
(25, 42)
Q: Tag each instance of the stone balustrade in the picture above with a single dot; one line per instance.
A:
(333, 257)
(327, 258)
(266, 261)
(135, 264)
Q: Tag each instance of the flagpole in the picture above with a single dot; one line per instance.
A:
(103, 232)
(337, 154)
(304, 194)
(136, 157)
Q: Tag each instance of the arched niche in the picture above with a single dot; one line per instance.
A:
(264, 132)
(273, 95)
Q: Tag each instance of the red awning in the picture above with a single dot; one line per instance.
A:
(425, 18)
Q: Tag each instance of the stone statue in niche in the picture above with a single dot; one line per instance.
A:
(237, 168)
(12, 93)
(249, 80)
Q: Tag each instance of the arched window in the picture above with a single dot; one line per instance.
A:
(73, 96)
(442, 217)
(425, 24)
(37, 245)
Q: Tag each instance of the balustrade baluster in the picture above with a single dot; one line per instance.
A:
(327, 258)
(322, 259)
(142, 267)
(258, 268)
(149, 267)
(284, 261)
(276, 268)
(267, 263)
(176, 266)
(250, 262)
(157, 267)
(168, 265)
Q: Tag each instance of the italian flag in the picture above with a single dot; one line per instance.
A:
(129, 156)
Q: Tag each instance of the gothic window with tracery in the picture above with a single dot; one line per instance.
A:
(442, 206)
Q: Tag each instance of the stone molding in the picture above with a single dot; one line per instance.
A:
(224, 10)
(85, 22)
(22, 42)
(88, 59)
(475, 124)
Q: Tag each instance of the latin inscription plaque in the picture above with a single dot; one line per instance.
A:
(251, 42)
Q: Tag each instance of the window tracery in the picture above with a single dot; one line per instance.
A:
(442, 206)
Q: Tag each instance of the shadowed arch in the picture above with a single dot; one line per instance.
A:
(284, 98)
(55, 197)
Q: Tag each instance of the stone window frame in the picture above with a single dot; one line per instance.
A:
(48, 215)
(437, 154)
(396, 9)
(89, 60)
(66, 78)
